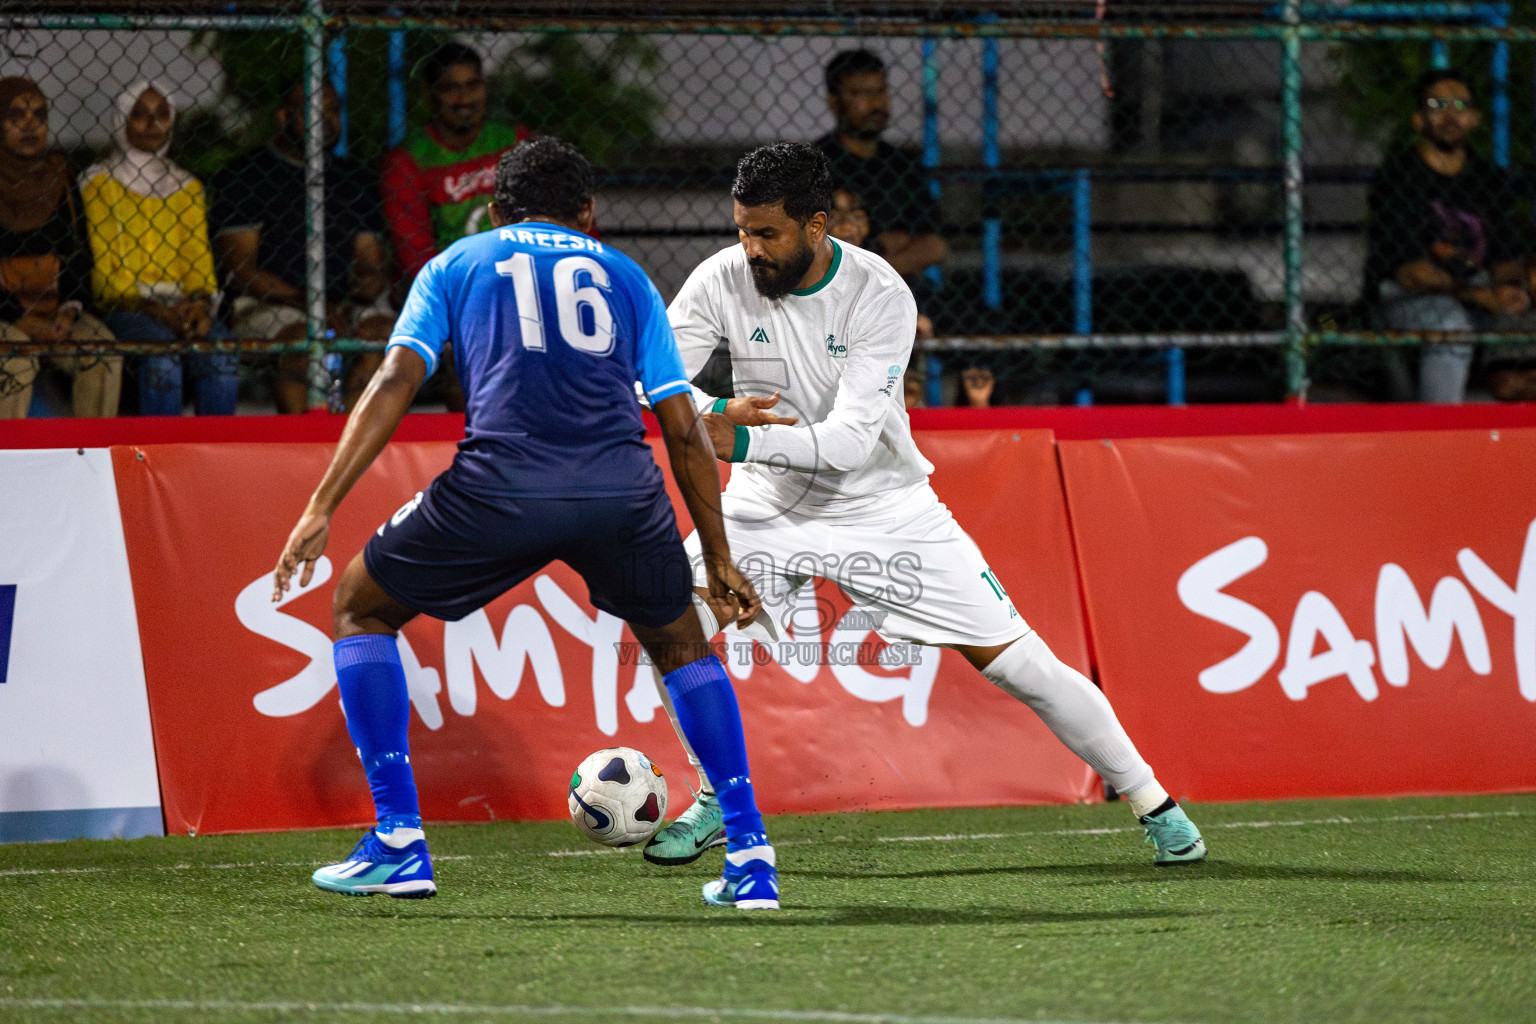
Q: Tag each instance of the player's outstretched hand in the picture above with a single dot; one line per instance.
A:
(752, 411)
(731, 593)
(305, 545)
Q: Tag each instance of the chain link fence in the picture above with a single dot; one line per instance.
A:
(221, 205)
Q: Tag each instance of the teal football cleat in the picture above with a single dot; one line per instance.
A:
(685, 840)
(1174, 837)
(374, 867)
(750, 881)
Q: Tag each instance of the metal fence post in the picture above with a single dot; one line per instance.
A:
(1290, 141)
(314, 199)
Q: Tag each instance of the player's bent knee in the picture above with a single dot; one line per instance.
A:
(981, 658)
(680, 642)
(361, 605)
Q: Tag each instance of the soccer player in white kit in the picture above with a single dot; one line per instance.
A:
(829, 327)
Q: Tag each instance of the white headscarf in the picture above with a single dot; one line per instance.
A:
(141, 172)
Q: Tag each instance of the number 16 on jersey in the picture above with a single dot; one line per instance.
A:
(583, 318)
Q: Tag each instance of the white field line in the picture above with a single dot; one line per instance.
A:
(460, 1009)
(199, 867)
(957, 837)
(1209, 826)
(953, 837)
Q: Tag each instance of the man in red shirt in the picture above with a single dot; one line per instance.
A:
(438, 182)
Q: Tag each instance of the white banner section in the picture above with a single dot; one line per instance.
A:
(76, 755)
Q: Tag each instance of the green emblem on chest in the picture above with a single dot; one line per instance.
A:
(835, 348)
(759, 335)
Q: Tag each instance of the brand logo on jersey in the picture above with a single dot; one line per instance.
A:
(835, 348)
(892, 375)
(759, 335)
(461, 186)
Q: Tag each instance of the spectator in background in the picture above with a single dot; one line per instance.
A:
(438, 182)
(45, 262)
(849, 221)
(259, 224)
(977, 382)
(1444, 251)
(913, 386)
(903, 216)
(1512, 373)
(153, 277)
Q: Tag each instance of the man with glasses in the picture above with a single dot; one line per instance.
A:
(1444, 250)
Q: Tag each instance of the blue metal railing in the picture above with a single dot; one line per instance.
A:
(336, 58)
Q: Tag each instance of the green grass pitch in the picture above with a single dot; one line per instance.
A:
(1351, 910)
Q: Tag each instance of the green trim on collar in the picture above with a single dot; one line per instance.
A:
(743, 441)
(837, 258)
(719, 405)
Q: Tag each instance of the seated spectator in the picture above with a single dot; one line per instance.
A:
(259, 220)
(45, 262)
(1512, 373)
(977, 382)
(1444, 251)
(153, 275)
(1511, 369)
(438, 182)
(849, 223)
(914, 385)
(904, 220)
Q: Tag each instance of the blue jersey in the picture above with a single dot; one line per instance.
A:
(550, 331)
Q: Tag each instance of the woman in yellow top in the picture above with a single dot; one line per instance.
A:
(153, 272)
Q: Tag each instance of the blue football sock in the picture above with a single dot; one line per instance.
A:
(373, 693)
(708, 715)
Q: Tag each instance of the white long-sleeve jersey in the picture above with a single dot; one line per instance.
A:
(836, 352)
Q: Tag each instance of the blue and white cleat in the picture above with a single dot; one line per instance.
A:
(376, 867)
(750, 881)
(1174, 837)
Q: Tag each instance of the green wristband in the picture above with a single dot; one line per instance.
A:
(739, 451)
(719, 405)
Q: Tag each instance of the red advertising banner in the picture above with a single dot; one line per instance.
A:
(249, 734)
(1315, 616)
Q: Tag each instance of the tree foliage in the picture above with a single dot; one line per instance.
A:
(581, 89)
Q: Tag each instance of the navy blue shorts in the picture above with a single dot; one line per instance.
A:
(450, 552)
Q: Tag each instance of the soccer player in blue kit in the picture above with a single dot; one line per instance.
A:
(550, 330)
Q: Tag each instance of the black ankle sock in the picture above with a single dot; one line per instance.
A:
(1166, 805)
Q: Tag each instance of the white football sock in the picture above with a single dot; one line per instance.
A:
(1074, 709)
(711, 626)
(740, 857)
(693, 759)
(399, 838)
(1146, 799)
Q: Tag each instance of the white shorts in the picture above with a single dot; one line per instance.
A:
(906, 564)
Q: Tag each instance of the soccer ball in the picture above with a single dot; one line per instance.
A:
(618, 797)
